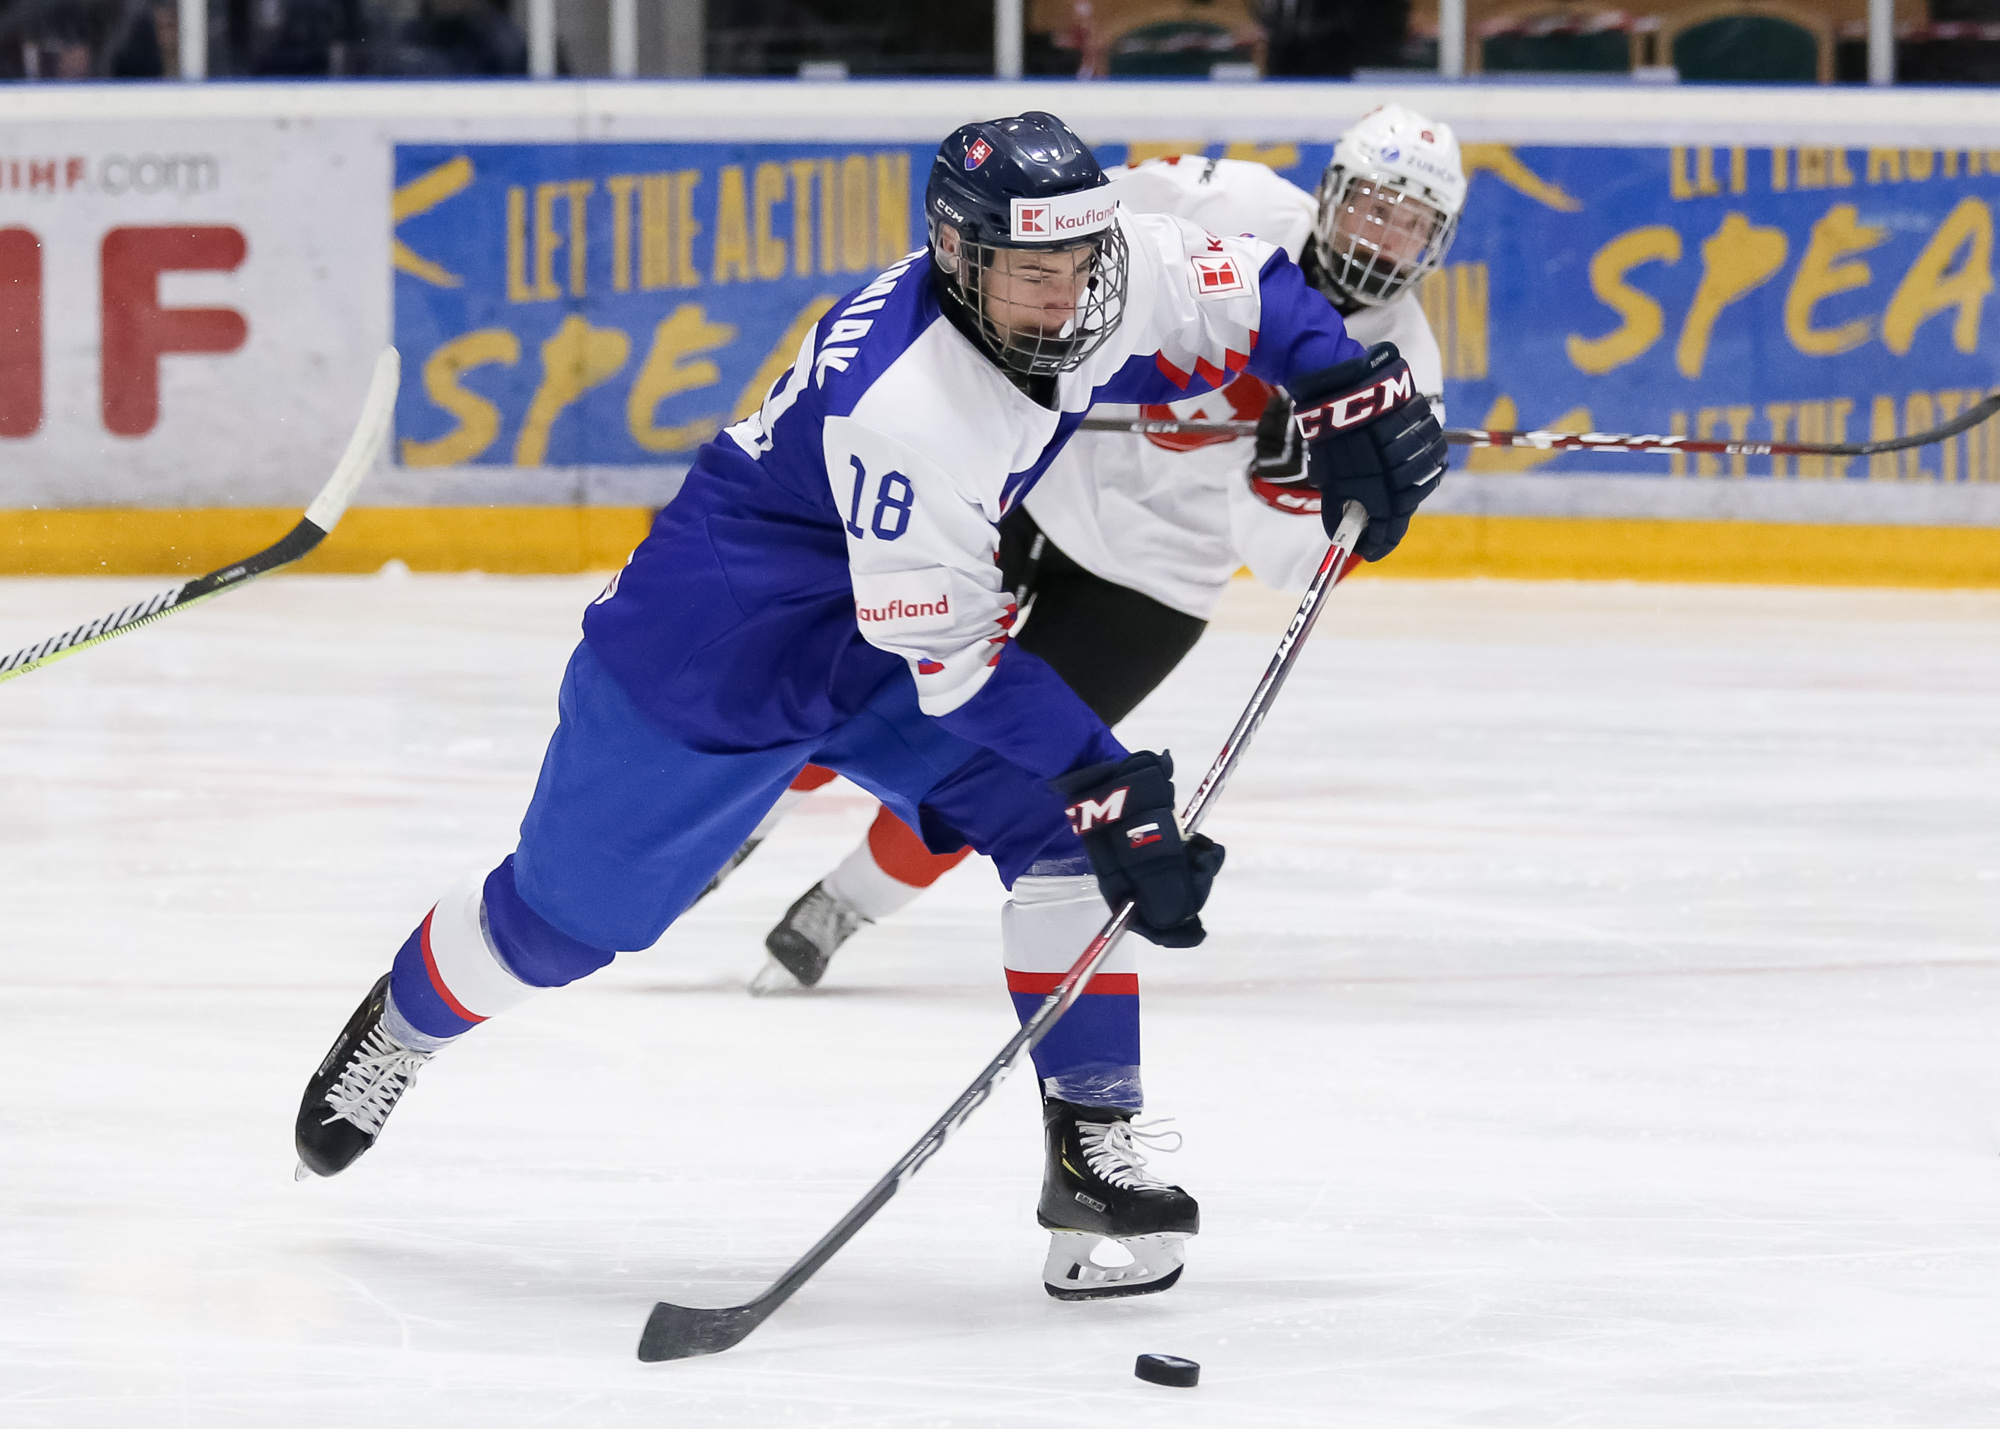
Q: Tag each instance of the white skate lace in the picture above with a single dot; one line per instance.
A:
(376, 1075)
(1109, 1147)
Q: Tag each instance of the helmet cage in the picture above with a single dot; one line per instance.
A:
(966, 279)
(1371, 259)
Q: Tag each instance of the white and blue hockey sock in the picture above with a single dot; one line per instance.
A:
(1092, 1056)
(481, 951)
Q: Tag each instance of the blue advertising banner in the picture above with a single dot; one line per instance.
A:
(616, 303)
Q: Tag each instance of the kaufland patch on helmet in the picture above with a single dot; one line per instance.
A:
(978, 153)
(1063, 218)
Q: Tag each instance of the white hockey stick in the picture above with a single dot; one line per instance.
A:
(1591, 441)
(675, 1332)
(320, 518)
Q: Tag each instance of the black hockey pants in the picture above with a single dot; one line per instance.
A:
(1109, 643)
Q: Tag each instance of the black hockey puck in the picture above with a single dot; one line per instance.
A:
(1169, 1370)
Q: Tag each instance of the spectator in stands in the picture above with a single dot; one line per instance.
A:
(50, 39)
(461, 37)
(309, 37)
(1961, 45)
(150, 45)
(1333, 38)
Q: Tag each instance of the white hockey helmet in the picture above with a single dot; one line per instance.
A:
(1389, 203)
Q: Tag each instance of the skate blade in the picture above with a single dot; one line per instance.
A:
(1071, 1274)
(774, 979)
(302, 1172)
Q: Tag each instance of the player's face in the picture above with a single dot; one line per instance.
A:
(1035, 292)
(1382, 221)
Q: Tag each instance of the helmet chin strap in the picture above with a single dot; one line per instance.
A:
(958, 310)
(1316, 275)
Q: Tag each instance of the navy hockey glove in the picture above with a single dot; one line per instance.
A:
(1370, 437)
(1124, 813)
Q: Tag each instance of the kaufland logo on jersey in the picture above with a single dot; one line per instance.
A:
(900, 609)
(1064, 218)
(1216, 276)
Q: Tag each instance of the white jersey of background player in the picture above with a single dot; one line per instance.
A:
(1145, 532)
(1174, 517)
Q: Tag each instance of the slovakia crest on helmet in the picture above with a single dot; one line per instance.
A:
(978, 153)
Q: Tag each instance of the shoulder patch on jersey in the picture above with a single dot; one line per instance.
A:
(1216, 275)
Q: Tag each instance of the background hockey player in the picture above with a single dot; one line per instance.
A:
(1120, 555)
(824, 588)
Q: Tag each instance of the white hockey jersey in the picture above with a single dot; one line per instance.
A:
(848, 527)
(1174, 517)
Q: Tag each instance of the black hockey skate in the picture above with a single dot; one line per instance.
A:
(1100, 1204)
(354, 1090)
(805, 941)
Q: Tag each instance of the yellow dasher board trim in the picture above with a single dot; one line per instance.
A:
(1717, 552)
(510, 540)
(530, 540)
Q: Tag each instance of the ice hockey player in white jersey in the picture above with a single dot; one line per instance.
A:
(825, 589)
(1123, 550)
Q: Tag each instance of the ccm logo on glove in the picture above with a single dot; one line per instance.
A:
(1124, 814)
(1355, 408)
(1370, 437)
(1087, 814)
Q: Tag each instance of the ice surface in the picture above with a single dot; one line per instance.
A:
(1598, 1029)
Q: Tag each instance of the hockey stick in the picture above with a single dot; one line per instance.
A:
(320, 518)
(675, 1332)
(1594, 441)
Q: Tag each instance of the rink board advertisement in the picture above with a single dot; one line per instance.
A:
(1804, 294)
(616, 303)
(188, 311)
(613, 304)
(191, 302)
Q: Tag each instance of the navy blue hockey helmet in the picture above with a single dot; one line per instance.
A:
(1025, 241)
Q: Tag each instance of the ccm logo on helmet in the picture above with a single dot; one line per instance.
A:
(1087, 814)
(1358, 407)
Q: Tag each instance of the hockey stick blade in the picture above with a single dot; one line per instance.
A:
(676, 1332)
(1595, 441)
(320, 518)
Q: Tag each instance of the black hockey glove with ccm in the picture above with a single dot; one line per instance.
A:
(1124, 813)
(1370, 437)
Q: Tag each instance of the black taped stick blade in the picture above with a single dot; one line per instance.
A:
(1169, 1370)
(677, 1332)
